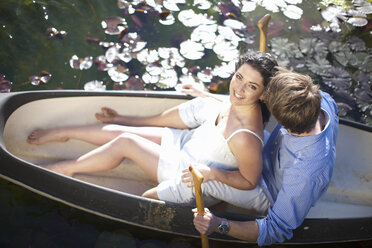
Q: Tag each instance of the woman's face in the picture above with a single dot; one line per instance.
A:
(246, 86)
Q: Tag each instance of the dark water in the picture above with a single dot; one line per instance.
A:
(339, 60)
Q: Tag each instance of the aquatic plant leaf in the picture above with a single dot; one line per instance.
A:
(205, 75)
(54, 33)
(319, 65)
(338, 78)
(248, 6)
(94, 85)
(118, 73)
(147, 56)
(283, 48)
(202, 4)
(343, 109)
(363, 96)
(191, 50)
(294, 1)
(154, 69)
(114, 25)
(173, 4)
(149, 79)
(227, 33)
(5, 85)
(81, 63)
(170, 20)
(225, 49)
(358, 19)
(205, 34)
(171, 56)
(311, 46)
(229, 9)
(356, 44)
(135, 83)
(225, 70)
(167, 79)
(190, 19)
(101, 63)
(293, 12)
(342, 96)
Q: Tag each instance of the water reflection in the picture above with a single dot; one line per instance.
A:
(151, 42)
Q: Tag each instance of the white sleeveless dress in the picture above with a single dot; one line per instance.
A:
(204, 144)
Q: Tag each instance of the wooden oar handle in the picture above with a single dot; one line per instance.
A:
(198, 180)
(262, 25)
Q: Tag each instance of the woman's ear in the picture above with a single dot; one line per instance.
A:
(262, 98)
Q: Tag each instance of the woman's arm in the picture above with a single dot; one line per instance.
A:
(169, 118)
(247, 151)
(192, 90)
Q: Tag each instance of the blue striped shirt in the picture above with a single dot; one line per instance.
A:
(296, 172)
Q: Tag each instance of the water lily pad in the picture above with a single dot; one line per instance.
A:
(312, 46)
(225, 70)
(191, 50)
(102, 64)
(293, 12)
(202, 4)
(190, 19)
(81, 63)
(94, 85)
(54, 33)
(229, 9)
(205, 75)
(225, 49)
(167, 79)
(319, 65)
(118, 73)
(338, 78)
(169, 20)
(247, 6)
(135, 83)
(173, 4)
(356, 44)
(43, 78)
(5, 85)
(205, 34)
(282, 48)
(147, 56)
(114, 25)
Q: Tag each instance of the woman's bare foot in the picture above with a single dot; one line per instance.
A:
(40, 136)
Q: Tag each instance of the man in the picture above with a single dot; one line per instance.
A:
(298, 161)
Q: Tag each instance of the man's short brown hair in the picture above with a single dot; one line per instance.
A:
(293, 100)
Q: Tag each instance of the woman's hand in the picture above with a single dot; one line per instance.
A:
(207, 223)
(193, 89)
(206, 171)
(107, 115)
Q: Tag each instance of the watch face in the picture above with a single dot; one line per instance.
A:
(224, 227)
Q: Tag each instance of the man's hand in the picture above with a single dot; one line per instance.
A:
(207, 223)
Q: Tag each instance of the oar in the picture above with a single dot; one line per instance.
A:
(262, 25)
(198, 179)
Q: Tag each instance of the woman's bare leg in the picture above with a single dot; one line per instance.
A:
(143, 152)
(97, 134)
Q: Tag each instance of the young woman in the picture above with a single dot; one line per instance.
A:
(223, 138)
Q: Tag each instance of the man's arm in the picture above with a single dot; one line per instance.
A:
(244, 230)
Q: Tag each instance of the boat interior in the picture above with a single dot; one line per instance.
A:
(349, 194)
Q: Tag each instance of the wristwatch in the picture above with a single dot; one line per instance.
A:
(224, 227)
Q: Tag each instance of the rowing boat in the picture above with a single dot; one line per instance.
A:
(344, 213)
